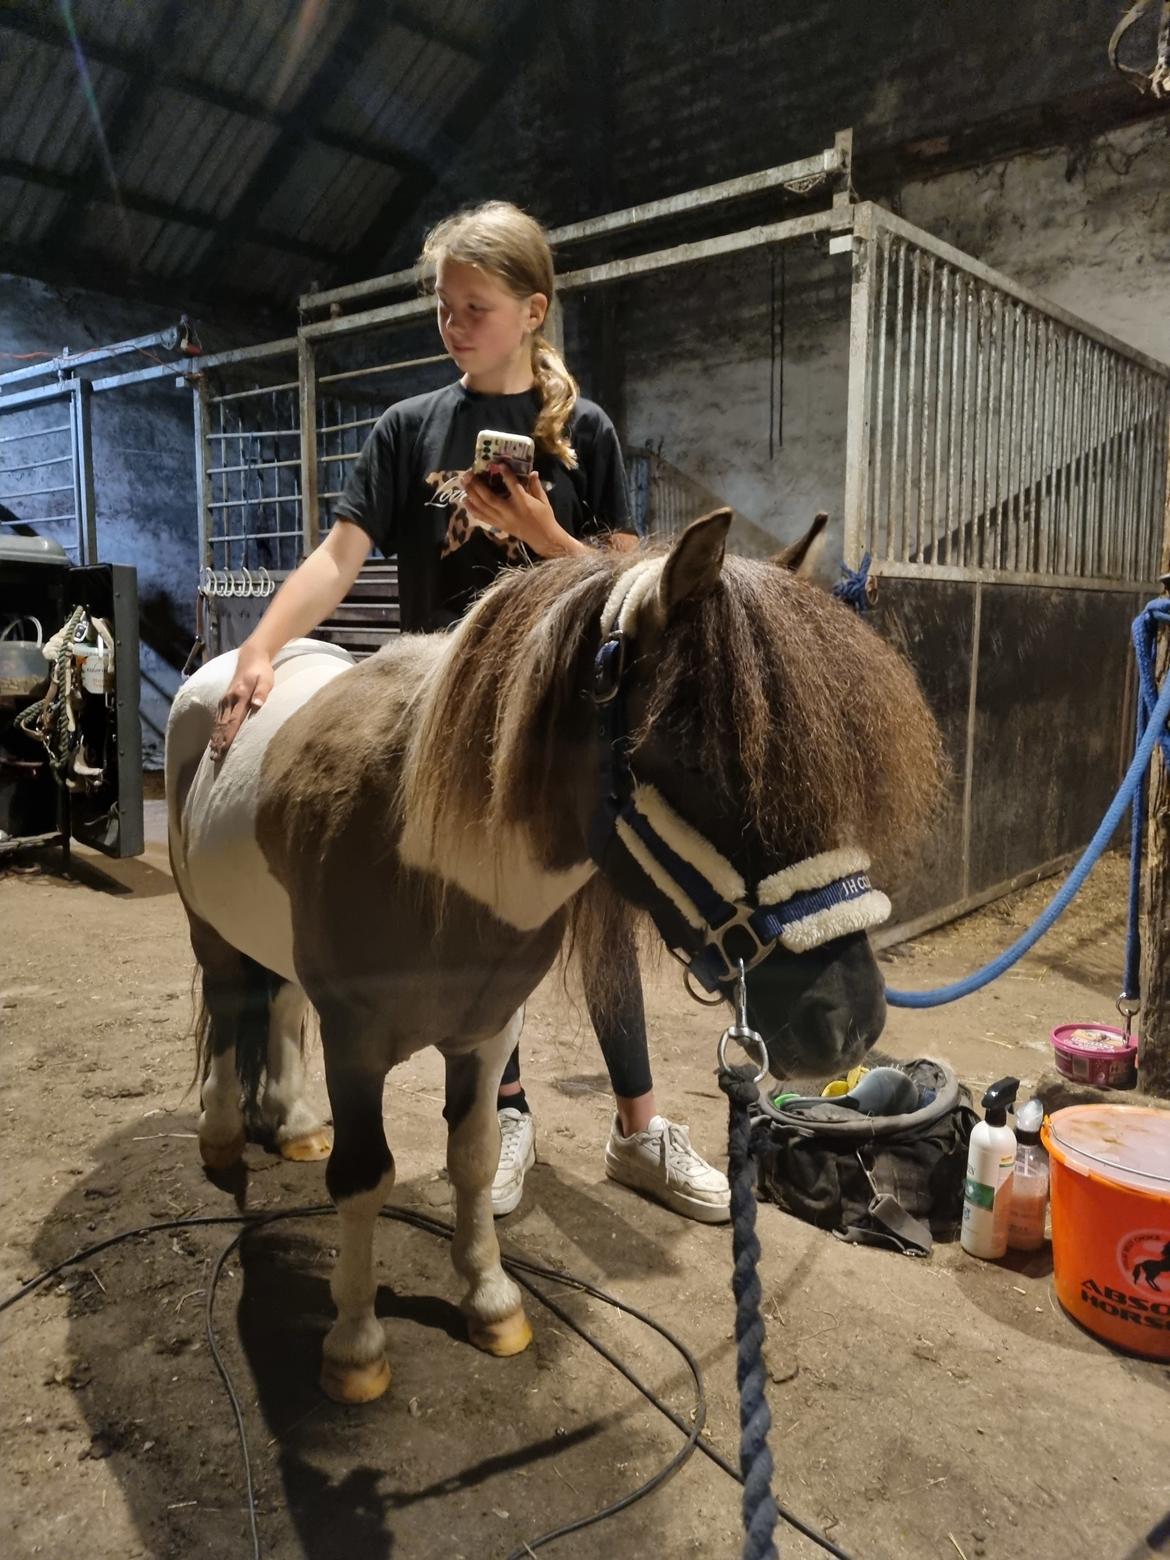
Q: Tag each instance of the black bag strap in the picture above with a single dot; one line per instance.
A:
(888, 1224)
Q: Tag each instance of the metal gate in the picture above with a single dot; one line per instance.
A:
(46, 466)
(992, 435)
(1006, 483)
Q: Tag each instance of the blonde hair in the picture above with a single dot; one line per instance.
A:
(508, 244)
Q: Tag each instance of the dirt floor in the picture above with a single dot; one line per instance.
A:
(941, 1408)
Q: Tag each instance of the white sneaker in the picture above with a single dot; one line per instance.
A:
(517, 1156)
(661, 1162)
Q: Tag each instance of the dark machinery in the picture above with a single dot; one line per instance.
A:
(70, 744)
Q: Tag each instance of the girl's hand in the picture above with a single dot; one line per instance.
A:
(524, 513)
(247, 691)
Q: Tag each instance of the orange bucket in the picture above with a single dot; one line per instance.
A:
(1111, 1222)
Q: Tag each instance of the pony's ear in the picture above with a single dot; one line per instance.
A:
(695, 562)
(800, 556)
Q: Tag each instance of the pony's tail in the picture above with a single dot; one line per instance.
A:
(235, 1013)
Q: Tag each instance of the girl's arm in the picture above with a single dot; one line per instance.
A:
(302, 603)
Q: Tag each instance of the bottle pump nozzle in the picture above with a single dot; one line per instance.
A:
(998, 1100)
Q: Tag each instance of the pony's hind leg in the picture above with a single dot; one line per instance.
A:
(297, 1130)
(234, 1005)
(495, 1317)
(359, 1176)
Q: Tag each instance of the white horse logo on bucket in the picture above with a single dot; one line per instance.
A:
(1144, 1258)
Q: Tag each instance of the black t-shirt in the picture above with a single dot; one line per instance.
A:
(419, 443)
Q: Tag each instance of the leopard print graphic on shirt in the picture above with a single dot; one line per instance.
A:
(448, 491)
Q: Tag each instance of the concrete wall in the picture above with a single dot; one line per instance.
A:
(143, 473)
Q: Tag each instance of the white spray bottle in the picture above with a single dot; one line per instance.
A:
(990, 1162)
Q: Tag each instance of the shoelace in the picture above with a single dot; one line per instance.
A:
(510, 1129)
(680, 1155)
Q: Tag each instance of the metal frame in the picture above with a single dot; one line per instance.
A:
(1026, 440)
(75, 394)
(69, 362)
(833, 165)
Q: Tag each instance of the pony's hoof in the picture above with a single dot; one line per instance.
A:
(510, 1335)
(310, 1146)
(222, 1156)
(354, 1383)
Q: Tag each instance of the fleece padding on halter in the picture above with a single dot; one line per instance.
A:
(801, 907)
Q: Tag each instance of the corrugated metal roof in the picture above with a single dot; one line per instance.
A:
(125, 26)
(44, 116)
(259, 48)
(180, 152)
(29, 211)
(244, 94)
(348, 192)
(400, 94)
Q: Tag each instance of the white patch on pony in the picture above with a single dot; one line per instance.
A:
(629, 592)
(212, 808)
(816, 872)
(501, 872)
(855, 915)
(688, 843)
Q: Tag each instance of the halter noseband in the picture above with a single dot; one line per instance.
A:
(800, 907)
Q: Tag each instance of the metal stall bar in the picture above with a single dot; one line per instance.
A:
(69, 362)
(383, 368)
(833, 164)
(202, 474)
(611, 271)
(859, 417)
(198, 365)
(307, 391)
(81, 439)
(1035, 418)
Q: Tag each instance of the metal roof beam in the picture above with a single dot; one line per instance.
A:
(81, 187)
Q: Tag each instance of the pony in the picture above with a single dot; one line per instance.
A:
(408, 843)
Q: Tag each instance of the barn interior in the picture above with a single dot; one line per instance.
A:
(906, 267)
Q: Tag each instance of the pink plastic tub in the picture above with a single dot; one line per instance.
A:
(1096, 1054)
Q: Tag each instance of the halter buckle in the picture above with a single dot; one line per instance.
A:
(734, 959)
(609, 668)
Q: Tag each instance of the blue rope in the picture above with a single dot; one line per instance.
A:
(755, 1419)
(853, 586)
(1153, 710)
(1132, 983)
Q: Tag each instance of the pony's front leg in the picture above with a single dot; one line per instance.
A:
(495, 1317)
(359, 1176)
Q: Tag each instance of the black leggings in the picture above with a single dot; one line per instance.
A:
(620, 1026)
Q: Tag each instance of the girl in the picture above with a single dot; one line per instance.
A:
(411, 495)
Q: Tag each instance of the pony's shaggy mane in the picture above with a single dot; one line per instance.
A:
(792, 708)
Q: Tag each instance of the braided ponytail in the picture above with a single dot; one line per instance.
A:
(558, 395)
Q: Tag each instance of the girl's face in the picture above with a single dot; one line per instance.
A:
(483, 326)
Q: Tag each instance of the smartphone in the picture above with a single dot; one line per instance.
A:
(502, 449)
